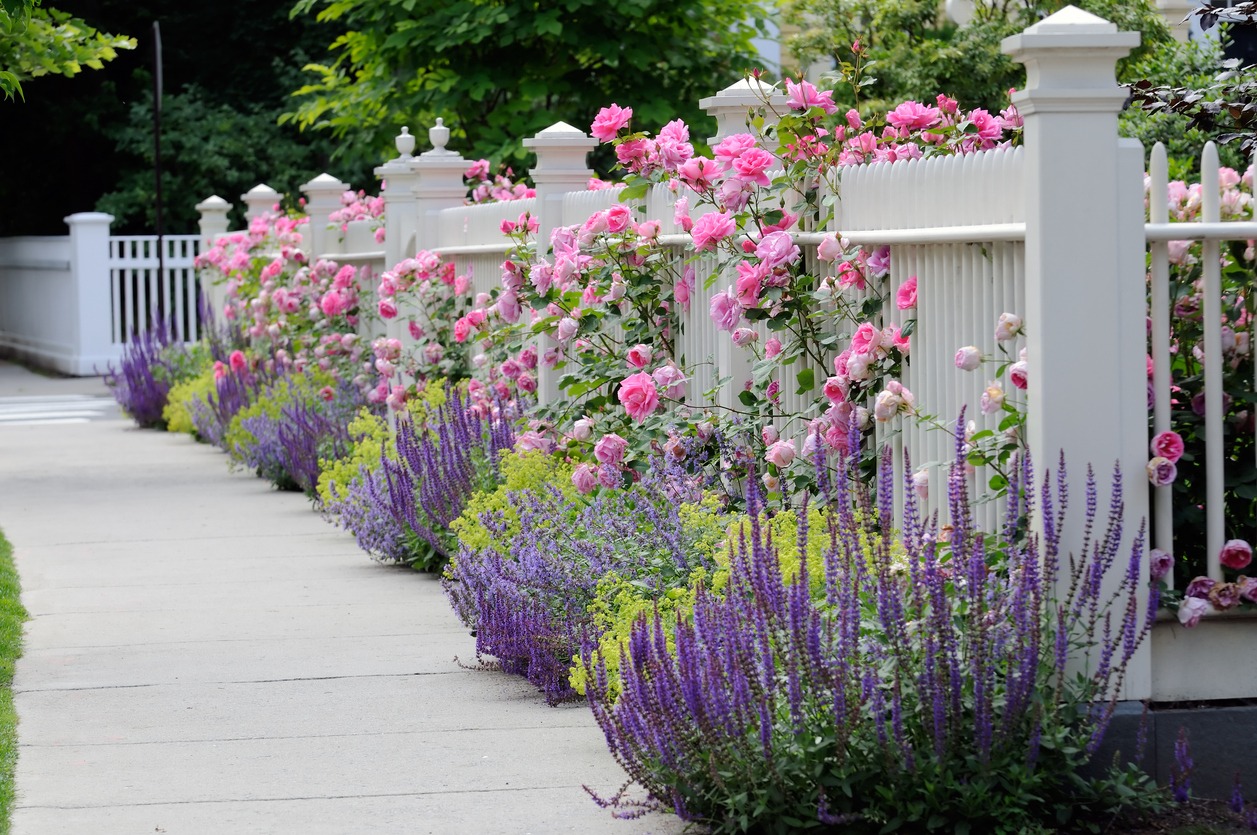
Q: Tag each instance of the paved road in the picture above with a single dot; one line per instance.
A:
(206, 655)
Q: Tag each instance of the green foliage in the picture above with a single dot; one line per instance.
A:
(208, 147)
(371, 436)
(42, 41)
(12, 615)
(917, 52)
(504, 70)
(520, 471)
(177, 413)
(270, 403)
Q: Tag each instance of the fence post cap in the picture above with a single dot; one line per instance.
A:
(260, 190)
(88, 218)
(561, 134)
(1070, 28)
(213, 203)
(325, 182)
(746, 92)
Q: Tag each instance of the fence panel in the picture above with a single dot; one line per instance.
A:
(142, 287)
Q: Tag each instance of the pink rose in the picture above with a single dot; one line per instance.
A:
(835, 389)
(1160, 563)
(582, 430)
(906, 298)
(670, 381)
(968, 358)
(867, 339)
(744, 336)
(1008, 326)
(887, 405)
(526, 382)
(732, 147)
(913, 115)
(333, 303)
(638, 395)
(921, 484)
(1161, 471)
(712, 228)
(618, 217)
(752, 166)
(780, 454)
(1190, 611)
(610, 449)
(566, 329)
(237, 361)
(725, 310)
(777, 249)
(1236, 554)
(830, 249)
(803, 96)
(772, 348)
(462, 329)
(992, 398)
(388, 310)
(1248, 588)
(769, 435)
(584, 479)
(1019, 374)
(1168, 445)
(639, 356)
(609, 121)
(1199, 587)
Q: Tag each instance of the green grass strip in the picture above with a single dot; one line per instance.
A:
(12, 614)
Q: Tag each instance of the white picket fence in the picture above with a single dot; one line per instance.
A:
(1053, 231)
(71, 303)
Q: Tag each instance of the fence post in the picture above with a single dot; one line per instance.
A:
(93, 302)
(561, 167)
(439, 186)
(213, 225)
(260, 199)
(400, 179)
(323, 195)
(1085, 296)
(730, 106)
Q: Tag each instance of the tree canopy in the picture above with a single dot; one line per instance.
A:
(37, 41)
(501, 70)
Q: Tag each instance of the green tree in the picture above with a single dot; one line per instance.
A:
(36, 41)
(500, 70)
(918, 52)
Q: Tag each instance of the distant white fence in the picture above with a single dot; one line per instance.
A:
(71, 303)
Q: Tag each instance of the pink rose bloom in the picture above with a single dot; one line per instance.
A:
(584, 479)
(681, 294)
(532, 442)
(333, 303)
(681, 214)
(772, 348)
(647, 229)
(1168, 445)
(887, 405)
(237, 362)
(566, 329)
(1161, 471)
(771, 482)
(921, 484)
(780, 454)
(638, 395)
(892, 337)
(830, 248)
(732, 147)
(633, 153)
(511, 369)
(906, 298)
(992, 398)
(753, 165)
(639, 356)
(1199, 587)
(1019, 374)
(388, 310)
(835, 389)
(803, 96)
(1190, 611)
(462, 329)
(700, 173)
(747, 287)
(433, 352)
(712, 228)
(912, 115)
(1160, 563)
(744, 336)
(618, 218)
(1248, 588)
(968, 358)
(526, 382)
(1008, 326)
(396, 399)
(777, 249)
(725, 310)
(989, 127)
(609, 122)
(866, 340)
(769, 435)
(610, 449)
(1236, 554)
(670, 381)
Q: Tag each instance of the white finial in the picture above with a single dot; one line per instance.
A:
(439, 134)
(405, 143)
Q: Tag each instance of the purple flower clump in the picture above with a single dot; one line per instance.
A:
(143, 380)
(363, 510)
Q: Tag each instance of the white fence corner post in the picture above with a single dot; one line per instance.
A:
(260, 199)
(323, 196)
(1085, 313)
(439, 186)
(93, 303)
(213, 225)
(400, 178)
(562, 167)
(731, 106)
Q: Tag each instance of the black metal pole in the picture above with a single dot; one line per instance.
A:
(157, 96)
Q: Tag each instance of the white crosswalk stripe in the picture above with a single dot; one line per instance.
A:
(56, 409)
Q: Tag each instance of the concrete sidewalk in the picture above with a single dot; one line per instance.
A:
(206, 655)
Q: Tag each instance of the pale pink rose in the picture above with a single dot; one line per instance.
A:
(777, 249)
(1190, 610)
(1008, 326)
(992, 398)
(1019, 374)
(527, 383)
(921, 484)
(835, 389)
(859, 367)
(610, 449)
(511, 369)
(866, 340)
(396, 399)
(887, 405)
(744, 336)
(1160, 563)
(681, 214)
(725, 310)
(385, 368)
(968, 358)
(647, 229)
(780, 454)
(609, 121)
(638, 395)
(830, 248)
(906, 298)
(712, 228)
(772, 348)
(1236, 554)
(771, 482)
(769, 435)
(1161, 471)
(670, 381)
(1248, 588)
(566, 328)
(639, 356)
(584, 479)
(433, 352)
(1168, 445)
(532, 441)
(461, 284)
(582, 430)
